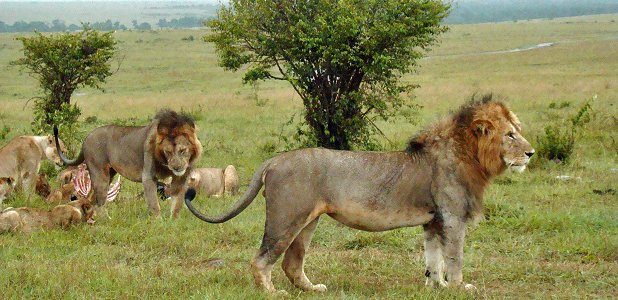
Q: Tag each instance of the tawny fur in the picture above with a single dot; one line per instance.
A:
(208, 181)
(230, 180)
(167, 147)
(42, 187)
(62, 194)
(214, 182)
(26, 219)
(21, 159)
(65, 176)
(438, 182)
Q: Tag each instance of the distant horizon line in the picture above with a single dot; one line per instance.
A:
(153, 1)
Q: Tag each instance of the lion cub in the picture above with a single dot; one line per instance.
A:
(27, 219)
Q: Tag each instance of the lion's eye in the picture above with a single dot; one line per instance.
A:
(181, 151)
(511, 135)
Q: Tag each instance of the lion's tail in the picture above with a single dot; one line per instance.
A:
(65, 160)
(239, 206)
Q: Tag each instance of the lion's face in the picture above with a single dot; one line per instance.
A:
(85, 207)
(516, 150)
(177, 153)
(501, 144)
(6, 186)
(50, 150)
(178, 149)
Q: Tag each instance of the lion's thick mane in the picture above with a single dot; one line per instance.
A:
(458, 134)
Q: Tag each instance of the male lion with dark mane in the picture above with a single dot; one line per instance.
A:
(167, 147)
(437, 182)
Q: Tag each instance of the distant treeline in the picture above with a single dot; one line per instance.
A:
(481, 11)
(185, 22)
(61, 26)
(463, 11)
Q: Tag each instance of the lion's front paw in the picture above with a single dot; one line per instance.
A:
(318, 288)
(435, 283)
(469, 287)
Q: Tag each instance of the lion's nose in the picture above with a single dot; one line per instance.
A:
(530, 153)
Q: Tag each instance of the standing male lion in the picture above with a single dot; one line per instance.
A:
(167, 147)
(438, 182)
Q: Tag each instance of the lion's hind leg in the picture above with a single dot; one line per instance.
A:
(282, 228)
(100, 180)
(294, 260)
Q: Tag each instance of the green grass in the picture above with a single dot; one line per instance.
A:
(541, 237)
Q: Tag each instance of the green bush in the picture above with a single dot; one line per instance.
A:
(4, 132)
(346, 60)
(559, 140)
(68, 125)
(557, 143)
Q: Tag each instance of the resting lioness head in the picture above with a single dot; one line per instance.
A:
(500, 143)
(85, 208)
(177, 146)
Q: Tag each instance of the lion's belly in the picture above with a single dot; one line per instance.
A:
(132, 174)
(379, 219)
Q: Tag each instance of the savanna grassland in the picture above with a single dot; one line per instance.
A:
(540, 238)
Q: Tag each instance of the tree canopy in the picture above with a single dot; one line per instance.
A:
(345, 58)
(62, 63)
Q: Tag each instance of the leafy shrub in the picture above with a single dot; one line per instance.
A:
(559, 141)
(91, 120)
(66, 120)
(4, 132)
(62, 63)
(345, 61)
(49, 169)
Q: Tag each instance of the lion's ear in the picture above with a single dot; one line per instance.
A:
(162, 132)
(482, 127)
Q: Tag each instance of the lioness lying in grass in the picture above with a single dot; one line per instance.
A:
(27, 219)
